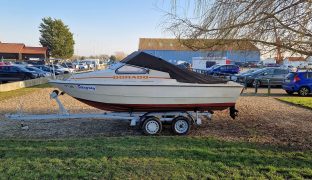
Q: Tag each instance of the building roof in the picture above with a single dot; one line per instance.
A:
(207, 44)
(21, 48)
(296, 59)
(34, 50)
(11, 47)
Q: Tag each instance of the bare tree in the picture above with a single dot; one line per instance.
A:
(285, 25)
(120, 55)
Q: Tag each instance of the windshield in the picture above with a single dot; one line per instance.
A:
(34, 69)
(291, 75)
(59, 67)
(258, 71)
(24, 69)
(249, 71)
(116, 65)
(215, 66)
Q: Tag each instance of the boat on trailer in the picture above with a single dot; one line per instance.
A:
(148, 91)
(145, 83)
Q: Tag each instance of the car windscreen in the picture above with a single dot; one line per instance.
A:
(290, 75)
(34, 69)
(43, 68)
(249, 71)
(59, 67)
(22, 68)
(258, 71)
(215, 66)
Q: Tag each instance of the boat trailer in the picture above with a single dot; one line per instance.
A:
(150, 122)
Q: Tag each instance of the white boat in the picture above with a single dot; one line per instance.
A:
(144, 83)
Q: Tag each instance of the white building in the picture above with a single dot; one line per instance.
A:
(297, 62)
(268, 61)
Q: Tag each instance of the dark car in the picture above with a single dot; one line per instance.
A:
(184, 65)
(15, 73)
(300, 82)
(48, 69)
(39, 71)
(273, 75)
(226, 69)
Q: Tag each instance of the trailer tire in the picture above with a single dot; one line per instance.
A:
(181, 125)
(152, 126)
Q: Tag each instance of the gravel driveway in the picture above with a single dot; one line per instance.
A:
(261, 119)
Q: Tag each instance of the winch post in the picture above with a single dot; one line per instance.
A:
(62, 110)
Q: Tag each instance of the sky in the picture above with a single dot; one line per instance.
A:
(99, 26)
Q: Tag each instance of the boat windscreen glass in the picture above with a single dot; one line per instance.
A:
(116, 65)
(127, 69)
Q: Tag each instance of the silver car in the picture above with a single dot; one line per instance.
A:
(272, 76)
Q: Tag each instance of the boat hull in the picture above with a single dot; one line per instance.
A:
(156, 107)
(138, 98)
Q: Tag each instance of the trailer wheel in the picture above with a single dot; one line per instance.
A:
(181, 125)
(152, 126)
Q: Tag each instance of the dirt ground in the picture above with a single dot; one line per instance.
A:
(261, 119)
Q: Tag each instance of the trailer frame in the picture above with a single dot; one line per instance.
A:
(135, 118)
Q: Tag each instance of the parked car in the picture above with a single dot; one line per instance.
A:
(82, 66)
(16, 73)
(48, 69)
(236, 76)
(90, 64)
(226, 69)
(260, 77)
(70, 65)
(39, 71)
(300, 82)
(62, 69)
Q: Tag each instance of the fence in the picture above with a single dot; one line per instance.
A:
(22, 84)
(28, 83)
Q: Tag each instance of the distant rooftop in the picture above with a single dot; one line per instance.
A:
(296, 58)
(21, 48)
(207, 44)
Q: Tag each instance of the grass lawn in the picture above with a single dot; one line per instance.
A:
(149, 158)
(302, 101)
(21, 92)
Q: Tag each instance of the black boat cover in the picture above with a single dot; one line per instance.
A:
(142, 59)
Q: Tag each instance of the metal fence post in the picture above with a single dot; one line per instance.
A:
(269, 87)
(256, 86)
